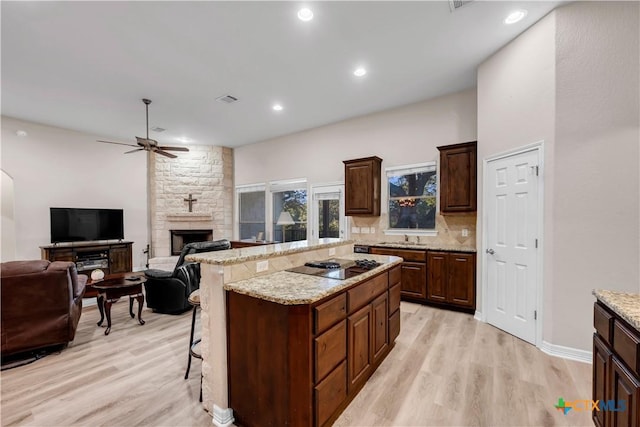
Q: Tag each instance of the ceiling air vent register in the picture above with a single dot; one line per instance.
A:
(227, 99)
(457, 4)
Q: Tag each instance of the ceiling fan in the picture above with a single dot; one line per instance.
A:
(147, 144)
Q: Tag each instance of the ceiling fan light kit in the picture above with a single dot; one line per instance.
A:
(148, 144)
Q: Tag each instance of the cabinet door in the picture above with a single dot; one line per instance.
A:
(461, 279)
(62, 255)
(120, 259)
(362, 186)
(458, 178)
(601, 369)
(437, 276)
(359, 353)
(380, 331)
(624, 387)
(414, 279)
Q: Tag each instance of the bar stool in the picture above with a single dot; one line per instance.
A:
(194, 300)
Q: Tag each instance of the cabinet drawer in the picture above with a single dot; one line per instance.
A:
(330, 312)
(367, 291)
(330, 393)
(394, 326)
(330, 349)
(394, 298)
(406, 254)
(603, 322)
(395, 275)
(627, 345)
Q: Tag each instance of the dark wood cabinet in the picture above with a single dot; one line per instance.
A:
(601, 369)
(112, 258)
(120, 259)
(458, 174)
(625, 387)
(451, 278)
(413, 271)
(616, 370)
(359, 346)
(362, 186)
(301, 365)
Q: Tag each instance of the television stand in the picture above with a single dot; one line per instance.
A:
(112, 258)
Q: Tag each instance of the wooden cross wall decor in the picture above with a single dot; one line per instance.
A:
(191, 201)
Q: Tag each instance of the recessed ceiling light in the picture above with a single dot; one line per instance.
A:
(21, 133)
(359, 72)
(515, 16)
(277, 107)
(305, 14)
(184, 140)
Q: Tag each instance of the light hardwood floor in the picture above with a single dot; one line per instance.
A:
(446, 369)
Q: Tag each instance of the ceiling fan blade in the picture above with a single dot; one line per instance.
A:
(173, 148)
(133, 151)
(164, 153)
(119, 143)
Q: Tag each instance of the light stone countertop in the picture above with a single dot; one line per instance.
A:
(289, 288)
(238, 256)
(626, 305)
(423, 246)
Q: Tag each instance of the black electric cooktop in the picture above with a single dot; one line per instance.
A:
(339, 269)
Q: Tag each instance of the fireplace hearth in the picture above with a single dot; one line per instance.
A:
(179, 238)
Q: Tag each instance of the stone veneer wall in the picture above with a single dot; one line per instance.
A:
(449, 229)
(206, 172)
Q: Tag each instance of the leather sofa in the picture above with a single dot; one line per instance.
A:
(168, 291)
(41, 304)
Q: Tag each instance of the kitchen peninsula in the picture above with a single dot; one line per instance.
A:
(300, 346)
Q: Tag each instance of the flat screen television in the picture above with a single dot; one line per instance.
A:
(79, 225)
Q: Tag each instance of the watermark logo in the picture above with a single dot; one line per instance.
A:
(591, 405)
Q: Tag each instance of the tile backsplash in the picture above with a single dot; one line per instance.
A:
(449, 227)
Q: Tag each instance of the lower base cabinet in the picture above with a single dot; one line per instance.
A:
(451, 279)
(301, 365)
(616, 370)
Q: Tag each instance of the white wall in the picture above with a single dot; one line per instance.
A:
(516, 107)
(57, 167)
(572, 81)
(8, 235)
(400, 136)
(597, 191)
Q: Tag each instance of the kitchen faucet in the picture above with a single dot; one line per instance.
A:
(406, 238)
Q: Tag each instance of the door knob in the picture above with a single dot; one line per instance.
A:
(490, 251)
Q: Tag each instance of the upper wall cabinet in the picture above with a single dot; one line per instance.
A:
(458, 170)
(362, 186)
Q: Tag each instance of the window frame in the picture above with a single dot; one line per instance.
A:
(280, 186)
(248, 188)
(404, 170)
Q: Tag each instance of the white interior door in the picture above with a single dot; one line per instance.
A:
(512, 213)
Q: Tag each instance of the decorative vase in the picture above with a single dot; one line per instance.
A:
(97, 274)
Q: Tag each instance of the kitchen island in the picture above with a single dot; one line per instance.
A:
(288, 359)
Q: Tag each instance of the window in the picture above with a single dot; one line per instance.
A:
(289, 197)
(251, 210)
(327, 211)
(412, 197)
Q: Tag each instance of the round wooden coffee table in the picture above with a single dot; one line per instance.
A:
(112, 288)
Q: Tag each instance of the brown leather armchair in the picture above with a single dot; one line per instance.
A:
(41, 304)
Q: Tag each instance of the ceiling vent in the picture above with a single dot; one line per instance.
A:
(158, 129)
(457, 4)
(227, 99)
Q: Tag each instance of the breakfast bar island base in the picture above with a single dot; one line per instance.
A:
(302, 364)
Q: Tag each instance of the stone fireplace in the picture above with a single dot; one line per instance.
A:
(206, 173)
(179, 238)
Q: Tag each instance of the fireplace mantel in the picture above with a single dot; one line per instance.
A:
(189, 216)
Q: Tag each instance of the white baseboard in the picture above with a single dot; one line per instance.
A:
(478, 316)
(570, 353)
